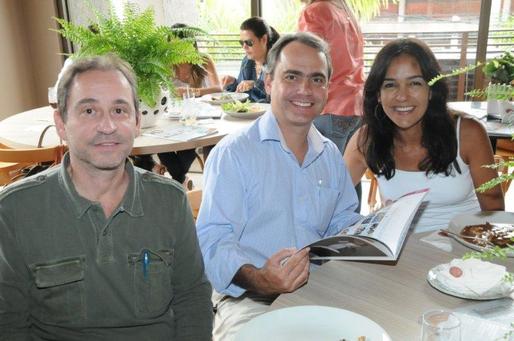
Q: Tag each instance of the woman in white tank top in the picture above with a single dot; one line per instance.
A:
(411, 140)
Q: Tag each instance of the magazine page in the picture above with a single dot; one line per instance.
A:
(349, 247)
(391, 223)
(378, 236)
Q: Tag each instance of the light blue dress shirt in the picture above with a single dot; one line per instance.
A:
(258, 199)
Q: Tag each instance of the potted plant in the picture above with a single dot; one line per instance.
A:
(500, 91)
(151, 50)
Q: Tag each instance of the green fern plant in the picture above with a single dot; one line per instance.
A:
(151, 50)
(501, 72)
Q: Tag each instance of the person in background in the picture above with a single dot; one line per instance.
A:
(200, 79)
(100, 250)
(256, 38)
(272, 189)
(411, 141)
(334, 21)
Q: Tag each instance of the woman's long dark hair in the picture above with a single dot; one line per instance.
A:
(438, 127)
(260, 28)
(198, 72)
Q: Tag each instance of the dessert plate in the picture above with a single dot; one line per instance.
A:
(433, 280)
(459, 222)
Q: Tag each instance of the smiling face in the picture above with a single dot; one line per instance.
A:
(259, 48)
(101, 123)
(298, 86)
(404, 93)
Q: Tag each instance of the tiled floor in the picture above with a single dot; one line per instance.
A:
(196, 175)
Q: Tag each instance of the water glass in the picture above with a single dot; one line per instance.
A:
(189, 109)
(52, 97)
(440, 325)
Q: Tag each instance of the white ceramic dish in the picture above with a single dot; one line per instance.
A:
(304, 323)
(432, 278)
(459, 222)
(224, 97)
(256, 110)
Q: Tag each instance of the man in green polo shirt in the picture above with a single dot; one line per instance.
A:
(96, 249)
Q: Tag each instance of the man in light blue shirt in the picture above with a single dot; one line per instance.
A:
(272, 189)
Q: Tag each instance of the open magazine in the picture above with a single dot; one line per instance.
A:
(378, 236)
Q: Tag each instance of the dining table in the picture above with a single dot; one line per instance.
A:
(495, 128)
(23, 130)
(392, 294)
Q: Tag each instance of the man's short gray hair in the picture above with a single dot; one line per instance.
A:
(107, 62)
(305, 38)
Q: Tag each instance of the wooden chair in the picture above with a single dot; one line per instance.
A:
(195, 200)
(373, 190)
(502, 169)
(13, 161)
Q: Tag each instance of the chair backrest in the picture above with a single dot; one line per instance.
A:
(32, 155)
(339, 129)
(195, 200)
(503, 169)
(13, 162)
(373, 190)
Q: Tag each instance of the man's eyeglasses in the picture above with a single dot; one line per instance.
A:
(248, 42)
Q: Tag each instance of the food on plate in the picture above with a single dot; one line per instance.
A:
(241, 107)
(497, 233)
(455, 271)
(221, 97)
(476, 278)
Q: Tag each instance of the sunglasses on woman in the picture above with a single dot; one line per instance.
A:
(248, 42)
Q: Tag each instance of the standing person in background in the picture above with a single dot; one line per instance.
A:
(334, 21)
(256, 38)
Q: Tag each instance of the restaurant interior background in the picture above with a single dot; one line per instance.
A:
(31, 51)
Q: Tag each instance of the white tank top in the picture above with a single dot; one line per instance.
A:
(448, 196)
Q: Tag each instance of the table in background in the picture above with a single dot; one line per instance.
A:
(394, 296)
(23, 130)
(495, 129)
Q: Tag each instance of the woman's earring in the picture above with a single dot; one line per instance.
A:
(376, 112)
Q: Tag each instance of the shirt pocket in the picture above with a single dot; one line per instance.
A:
(324, 201)
(59, 289)
(152, 286)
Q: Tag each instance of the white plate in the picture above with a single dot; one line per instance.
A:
(256, 110)
(432, 278)
(216, 99)
(311, 323)
(459, 222)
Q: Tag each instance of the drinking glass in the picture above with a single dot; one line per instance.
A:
(52, 97)
(440, 325)
(189, 108)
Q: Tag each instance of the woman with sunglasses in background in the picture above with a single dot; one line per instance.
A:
(256, 38)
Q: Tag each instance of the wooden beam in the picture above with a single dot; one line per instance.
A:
(256, 8)
(483, 33)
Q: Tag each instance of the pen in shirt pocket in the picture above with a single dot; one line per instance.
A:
(146, 263)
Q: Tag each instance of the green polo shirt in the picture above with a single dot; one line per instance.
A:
(69, 273)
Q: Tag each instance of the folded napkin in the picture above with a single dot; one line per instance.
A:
(438, 241)
(478, 277)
